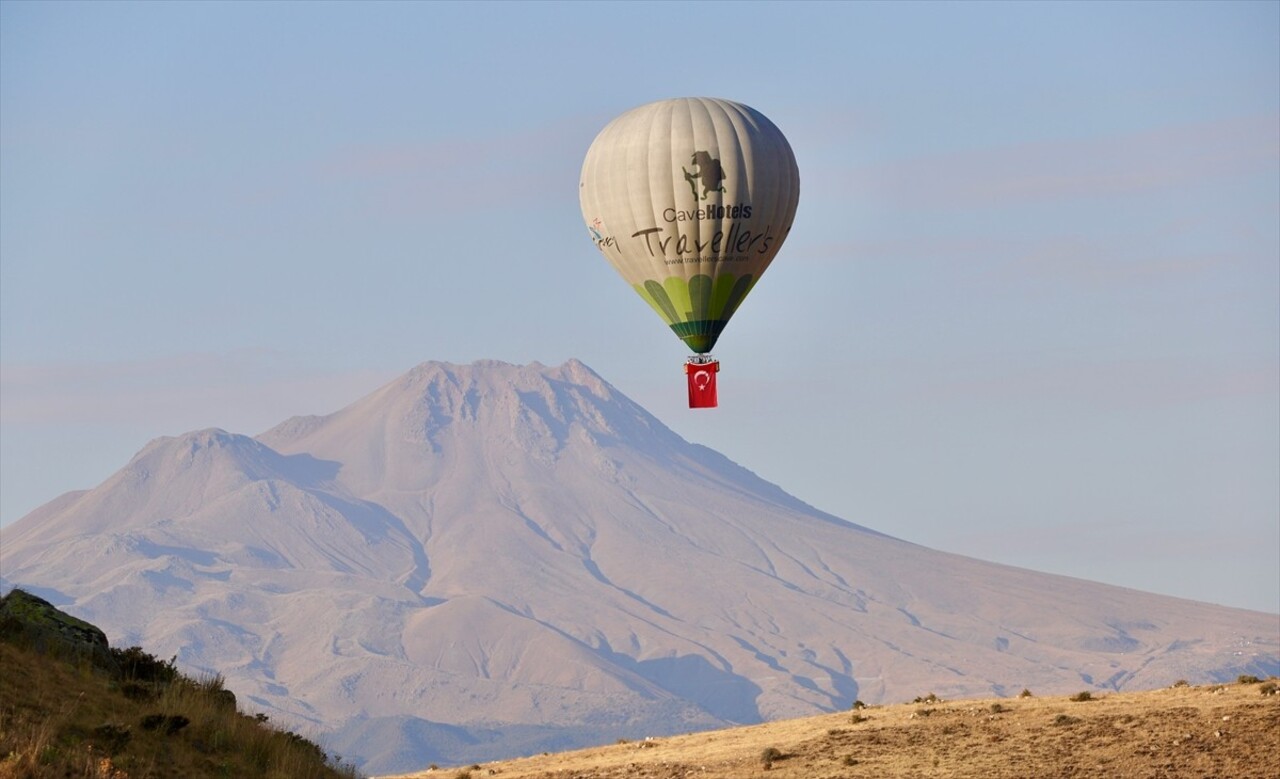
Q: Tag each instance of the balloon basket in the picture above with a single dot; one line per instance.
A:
(701, 372)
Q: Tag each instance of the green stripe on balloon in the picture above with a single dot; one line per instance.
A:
(720, 294)
(700, 336)
(697, 310)
(656, 296)
(700, 297)
(678, 290)
(736, 295)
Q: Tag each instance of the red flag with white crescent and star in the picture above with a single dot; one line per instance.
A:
(702, 383)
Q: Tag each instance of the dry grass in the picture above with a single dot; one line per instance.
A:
(1202, 732)
(70, 719)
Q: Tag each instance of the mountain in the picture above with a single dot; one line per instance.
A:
(487, 560)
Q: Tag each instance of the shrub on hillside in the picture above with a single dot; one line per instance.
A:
(65, 714)
(769, 755)
(139, 666)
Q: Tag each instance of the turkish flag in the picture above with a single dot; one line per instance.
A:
(702, 383)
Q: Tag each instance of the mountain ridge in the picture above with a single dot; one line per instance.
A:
(504, 556)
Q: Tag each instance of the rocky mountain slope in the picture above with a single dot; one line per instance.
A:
(487, 560)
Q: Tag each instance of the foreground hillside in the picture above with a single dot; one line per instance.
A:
(1215, 731)
(73, 706)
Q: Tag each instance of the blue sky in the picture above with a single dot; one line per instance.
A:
(1027, 311)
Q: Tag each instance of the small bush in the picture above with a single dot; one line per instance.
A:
(1247, 679)
(1268, 688)
(849, 760)
(168, 723)
(1064, 719)
(139, 666)
(998, 708)
(1182, 683)
(1082, 696)
(304, 744)
(1025, 693)
(857, 705)
(930, 698)
(137, 692)
(111, 738)
(769, 755)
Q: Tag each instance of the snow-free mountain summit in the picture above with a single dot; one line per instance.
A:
(489, 559)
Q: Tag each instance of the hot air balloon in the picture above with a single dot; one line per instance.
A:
(690, 199)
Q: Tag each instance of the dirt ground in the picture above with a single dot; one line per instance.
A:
(1216, 732)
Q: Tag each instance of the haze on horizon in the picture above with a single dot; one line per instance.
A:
(1029, 310)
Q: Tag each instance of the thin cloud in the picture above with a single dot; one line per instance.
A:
(1122, 164)
(244, 391)
(1055, 262)
(463, 173)
(1102, 385)
(1094, 264)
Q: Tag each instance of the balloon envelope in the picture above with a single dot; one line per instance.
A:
(690, 200)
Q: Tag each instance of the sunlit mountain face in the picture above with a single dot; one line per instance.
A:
(488, 560)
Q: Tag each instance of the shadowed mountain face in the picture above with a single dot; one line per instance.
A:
(487, 560)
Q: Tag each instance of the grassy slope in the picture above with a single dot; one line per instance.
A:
(1217, 731)
(62, 718)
